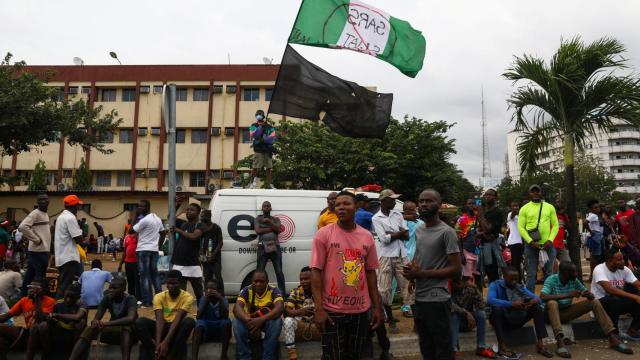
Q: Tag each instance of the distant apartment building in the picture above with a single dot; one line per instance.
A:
(618, 151)
(215, 107)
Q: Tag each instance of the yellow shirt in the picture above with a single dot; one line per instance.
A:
(170, 307)
(328, 217)
(267, 300)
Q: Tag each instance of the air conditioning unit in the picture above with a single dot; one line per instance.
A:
(179, 188)
(155, 131)
(216, 89)
(227, 175)
(231, 89)
(86, 90)
(73, 90)
(61, 187)
(142, 131)
(215, 131)
(228, 131)
(145, 89)
(157, 89)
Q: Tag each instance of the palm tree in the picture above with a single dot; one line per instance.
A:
(578, 93)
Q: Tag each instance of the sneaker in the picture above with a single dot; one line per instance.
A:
(293, 353)
(486, 353)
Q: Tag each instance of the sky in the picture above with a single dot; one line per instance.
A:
(469, 45)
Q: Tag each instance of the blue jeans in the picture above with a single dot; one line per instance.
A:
(148, 272)
(270, 346)
(36, 268)
(531, 257)
(481, 329)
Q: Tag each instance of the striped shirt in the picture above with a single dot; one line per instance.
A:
(297, 297)
(553, 286)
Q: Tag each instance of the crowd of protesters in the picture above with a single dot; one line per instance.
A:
(360, 254)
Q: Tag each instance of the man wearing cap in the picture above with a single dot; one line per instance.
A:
(389, 228)
(363, 217)
(263, 136)
(538, 226)
(36, 229)
(67, 235)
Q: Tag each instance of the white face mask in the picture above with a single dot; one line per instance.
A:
(259, 117)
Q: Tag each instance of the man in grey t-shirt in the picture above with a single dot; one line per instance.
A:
(437, 260)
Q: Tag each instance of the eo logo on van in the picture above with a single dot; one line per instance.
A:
(244, 223)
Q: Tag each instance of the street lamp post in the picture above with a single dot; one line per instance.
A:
(115, 56)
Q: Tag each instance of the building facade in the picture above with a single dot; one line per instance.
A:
(215, 107)
(618, 151)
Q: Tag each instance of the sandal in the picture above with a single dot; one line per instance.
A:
(622, 348)
(544, 352)
(563, 352)
(508, 354)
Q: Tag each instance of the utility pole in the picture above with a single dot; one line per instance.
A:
(486, 162)
(169, 112)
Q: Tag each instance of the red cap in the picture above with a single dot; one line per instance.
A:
(71, 200)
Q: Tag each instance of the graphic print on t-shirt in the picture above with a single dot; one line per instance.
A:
(352, 276)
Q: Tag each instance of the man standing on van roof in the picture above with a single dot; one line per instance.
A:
(263, 136)
(268, 227)
(343, 282)
(389, 227)
(328, 215)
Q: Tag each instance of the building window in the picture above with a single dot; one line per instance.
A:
(124, 178)
(180, 136)
(196, 179)
(251, 94)
(51, 177)
(181, 94)
(155, 131)
(267, 94)
(67, 173)
(152, 174)
(105, 137)
(141, 173)
(108, 95)
(179, 178)
(157, 89)
(128, 95)
(198, 136)
(126, 136)
(103, 178)
(200, 94)
(245, 138)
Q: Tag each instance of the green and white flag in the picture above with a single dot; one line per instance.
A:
(354, 25)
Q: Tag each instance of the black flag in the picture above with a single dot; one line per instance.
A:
(304, 90)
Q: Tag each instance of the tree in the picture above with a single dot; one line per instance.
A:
(83, 178)
(32, 113)
(581, 90)
(39, 177)
(413, 155)
(592, 180)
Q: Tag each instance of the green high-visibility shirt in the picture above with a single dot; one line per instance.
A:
(528, 218)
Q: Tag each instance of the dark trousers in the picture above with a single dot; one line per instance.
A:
(344, 338)
(133, 283)
(616, 306)
(492, 273)
(517, 254)
(36, 268)
(146, 333)
(196, 284)
(433, 322)
(67, 273)
(213, 270)
(505, 320)
(276, 260)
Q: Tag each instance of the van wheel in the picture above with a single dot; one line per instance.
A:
(247, 280)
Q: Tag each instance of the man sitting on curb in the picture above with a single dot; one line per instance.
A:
(558, 293)
(167, 336)
(299, 313)
(35, 308)
(212, 322)
(617, 289)
(257, 316)
(512, 306)
(119, 328)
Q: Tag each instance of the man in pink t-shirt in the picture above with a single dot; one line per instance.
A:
(343, 282)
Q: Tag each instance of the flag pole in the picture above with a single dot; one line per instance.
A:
(275, 87)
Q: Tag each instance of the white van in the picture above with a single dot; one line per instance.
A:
(298, 210)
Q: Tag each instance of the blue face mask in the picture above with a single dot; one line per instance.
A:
(259, 117)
